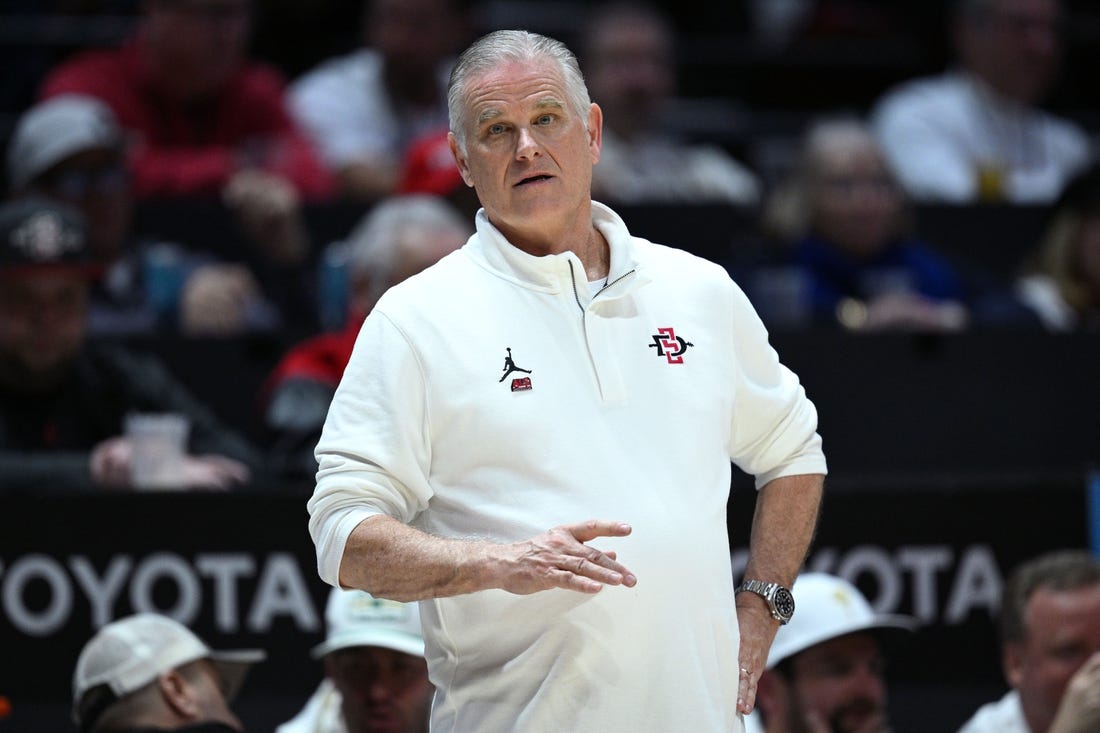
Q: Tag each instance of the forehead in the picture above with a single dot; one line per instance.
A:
(847, 153)
(514, 83)
(1058, 609)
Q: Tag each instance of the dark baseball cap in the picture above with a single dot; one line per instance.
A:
(37, 234)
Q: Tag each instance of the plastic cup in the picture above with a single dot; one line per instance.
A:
(159, 443)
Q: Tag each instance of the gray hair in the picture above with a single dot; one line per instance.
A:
(372, 248)
(1059, 571)
(491, 50)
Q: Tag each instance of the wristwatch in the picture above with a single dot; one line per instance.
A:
(780, 601)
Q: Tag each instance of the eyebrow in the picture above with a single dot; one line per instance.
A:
(544, 103)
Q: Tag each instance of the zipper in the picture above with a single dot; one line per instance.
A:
(573, 280)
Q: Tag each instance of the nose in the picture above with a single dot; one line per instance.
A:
(526, 145)
(871, 685)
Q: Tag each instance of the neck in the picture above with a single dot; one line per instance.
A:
(595, 254)
(578, 235)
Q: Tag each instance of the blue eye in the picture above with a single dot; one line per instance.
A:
(496, 129)
(545, 119)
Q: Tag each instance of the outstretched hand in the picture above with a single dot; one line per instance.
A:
(560, 558)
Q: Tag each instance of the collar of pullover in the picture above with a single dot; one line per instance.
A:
(552, 273)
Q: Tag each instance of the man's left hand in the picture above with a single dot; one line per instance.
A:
(757, 632)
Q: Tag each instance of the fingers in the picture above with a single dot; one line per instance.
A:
(746, 689)
(602, 567)
(110, 461)
(559, 558)
(213, 472)
(594, 528)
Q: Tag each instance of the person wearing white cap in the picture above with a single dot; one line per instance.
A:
(148, 672)
(376, 678)
(825, 668)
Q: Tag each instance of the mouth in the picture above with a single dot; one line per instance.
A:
(533, 179)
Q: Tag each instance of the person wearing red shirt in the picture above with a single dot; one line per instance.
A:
(400, 236)
(200, 113)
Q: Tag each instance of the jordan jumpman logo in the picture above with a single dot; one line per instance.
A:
(510, 366)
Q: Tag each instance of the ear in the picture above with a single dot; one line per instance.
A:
(1012, 663)
(595, 131)
(460, 159)
(359, 293)
(178, 695)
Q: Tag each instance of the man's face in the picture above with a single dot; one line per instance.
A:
(196, 44)
(42, 319)
(1063, 630)
(383, 691)
(527, 152)
(412, 35)
(96, 183)
(210, 695)
(856, 204)
(418, 248)
(841, 682)
(1015, 47)
(630, 71)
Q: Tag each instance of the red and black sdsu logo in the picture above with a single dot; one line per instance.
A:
(669, 345)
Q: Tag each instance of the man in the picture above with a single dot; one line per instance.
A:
(630, 69)
(204, 118)
(376, 679)
(205, 121)
(70, 149)
(397, 238)
(825, 669)
(976, 132)
(148, 672)
(1050, 642)
(365, 109)
(64, 401)
(505, 506)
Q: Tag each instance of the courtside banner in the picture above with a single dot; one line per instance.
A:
(239, 569)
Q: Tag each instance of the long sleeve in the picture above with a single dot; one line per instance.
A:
(774, 429)
(374, 453)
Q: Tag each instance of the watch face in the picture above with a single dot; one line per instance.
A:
(784, 604)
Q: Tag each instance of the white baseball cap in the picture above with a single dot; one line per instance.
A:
(356, 618)
(56, 128)
(130, 653)
(826, 607)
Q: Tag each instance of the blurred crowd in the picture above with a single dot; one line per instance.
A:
(168, 107)
(180, 115)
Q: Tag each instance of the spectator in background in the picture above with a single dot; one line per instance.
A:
(204, 119)
(376, 679)
(398, 238)
(628, 58)
(826, 668)
(1062, 283)
(846, 217)
(429, 167)
(1050, 648)
(148, 672)
(63, 401)
(364, 109)
(71, 150)
(976, 133)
